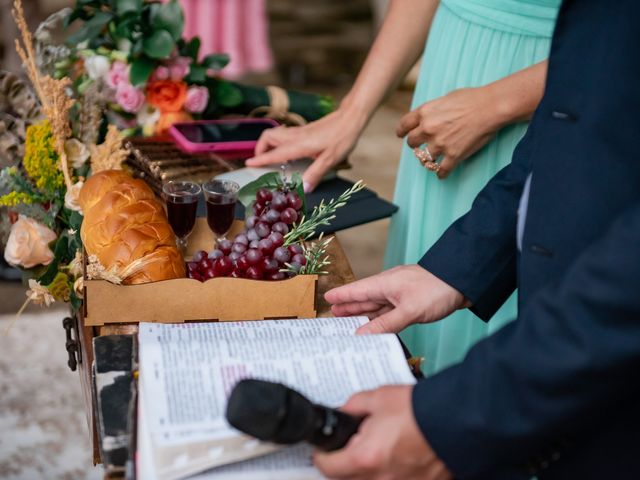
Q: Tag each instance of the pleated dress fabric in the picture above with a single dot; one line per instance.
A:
(471, 43)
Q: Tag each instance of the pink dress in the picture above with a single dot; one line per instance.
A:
(236, 27)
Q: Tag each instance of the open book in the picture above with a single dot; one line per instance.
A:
(187, 372)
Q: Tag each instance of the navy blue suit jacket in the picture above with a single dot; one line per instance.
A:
(555, 393)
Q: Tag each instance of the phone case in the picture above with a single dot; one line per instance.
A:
(236, 147)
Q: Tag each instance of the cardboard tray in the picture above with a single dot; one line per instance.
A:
(183, 299)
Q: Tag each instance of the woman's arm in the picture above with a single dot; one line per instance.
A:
(458, 124)
(330, 139)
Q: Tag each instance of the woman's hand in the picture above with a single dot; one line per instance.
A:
(327, 141)
(454, 126)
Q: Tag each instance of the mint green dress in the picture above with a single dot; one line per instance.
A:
(471, 43)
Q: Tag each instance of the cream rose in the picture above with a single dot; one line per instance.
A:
(97, 66)
(77, 152)
(72, 197)
(28, 243)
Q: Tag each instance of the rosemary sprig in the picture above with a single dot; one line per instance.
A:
(321, 215)
(316, 256)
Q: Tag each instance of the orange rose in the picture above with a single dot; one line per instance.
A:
(167, 95)
(169, 118)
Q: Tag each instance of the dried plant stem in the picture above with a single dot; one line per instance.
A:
(52, 93)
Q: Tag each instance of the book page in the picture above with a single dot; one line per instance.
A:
(188, 371)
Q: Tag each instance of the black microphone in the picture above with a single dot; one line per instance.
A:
(275, 413)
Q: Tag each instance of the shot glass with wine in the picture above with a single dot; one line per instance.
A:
(221, 197)
(182, 203)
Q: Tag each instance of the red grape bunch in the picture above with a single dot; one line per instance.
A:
(258, 252)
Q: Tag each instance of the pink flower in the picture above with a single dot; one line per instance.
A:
(118, 74)
(129, 97)
(160, 73)
(179, 68)
(197, 99)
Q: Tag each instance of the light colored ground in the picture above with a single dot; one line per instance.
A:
(43, 433)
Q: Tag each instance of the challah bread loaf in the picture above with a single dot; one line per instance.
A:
(126, 227)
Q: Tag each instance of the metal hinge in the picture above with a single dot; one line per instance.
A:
(72, 345)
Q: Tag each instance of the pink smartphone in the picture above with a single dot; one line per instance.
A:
(224, 136)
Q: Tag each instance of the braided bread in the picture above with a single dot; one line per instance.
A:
(124, 223)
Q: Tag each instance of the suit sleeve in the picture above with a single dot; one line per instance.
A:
(573, 352)
(477, 255)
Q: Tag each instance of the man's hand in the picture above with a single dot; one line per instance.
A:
(388, 445)
(396, 298)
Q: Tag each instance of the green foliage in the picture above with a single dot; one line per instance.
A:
(226, 94)
(168, 17)
(158, 45)
(141, 70)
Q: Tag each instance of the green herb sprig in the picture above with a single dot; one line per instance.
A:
(321, 215)
(316, 256)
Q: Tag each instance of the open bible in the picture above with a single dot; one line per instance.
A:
(187, 372)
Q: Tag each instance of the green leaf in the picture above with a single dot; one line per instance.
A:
(91, 29)
(216, 61)
(75, 220)
(168, 17)
(192, 49)
(247, 194)
(124, 6)
(197, 74)
(141, 69)
(227, 94)
(60, 255)
(76, 302)
(159, 44)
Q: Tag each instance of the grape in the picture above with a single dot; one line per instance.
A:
(264, 195)
(199, 255)
(241, 238)
(277, 239)
(209, 273)
(192, 266)
(251, 221)
(281, 254)
(280, 227)
(294, 201)
(289, 215)
(215, 254)
(279, 201)
(254, 272)
(262, 229)
(295, 248)
(225, 245)
(197, 276)
(271, 216)
(253, 235)
(266, 246)
(237, 273)
(233, 256)
(239, 247)
(258, 208)
(203, 264)
(242, 263)
(254, 256)
(295, 266)
(254, 243)
(276, 276)
(299, 258)
(270, 265)
(223, 267)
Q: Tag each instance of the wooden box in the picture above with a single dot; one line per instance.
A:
(184, 299)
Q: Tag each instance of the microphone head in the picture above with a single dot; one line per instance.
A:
(270, 411)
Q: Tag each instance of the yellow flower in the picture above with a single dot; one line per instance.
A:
(15, 198)
(41, 159)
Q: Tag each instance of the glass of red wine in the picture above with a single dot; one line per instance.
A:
(221, 197)
(182, 204)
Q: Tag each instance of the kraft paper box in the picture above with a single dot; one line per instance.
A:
(218, 299)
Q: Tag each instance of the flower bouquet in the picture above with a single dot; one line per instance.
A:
(133, 51)
(41, 218)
